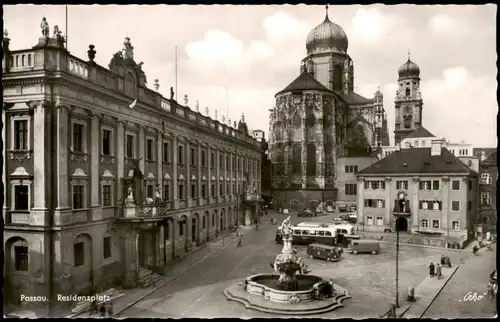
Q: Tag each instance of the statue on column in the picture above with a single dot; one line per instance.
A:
(44, 25)
(197, 106)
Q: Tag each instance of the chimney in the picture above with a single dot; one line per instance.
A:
(156, 84)
(436, 146)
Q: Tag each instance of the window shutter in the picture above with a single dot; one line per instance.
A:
(382, 185)
(420, 205)
(407, 206)
(366, 184)
(396, 205)
(440, 205)
(346, 169)
(421, 185)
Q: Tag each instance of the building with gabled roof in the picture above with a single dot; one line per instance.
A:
(486, 220)
(440, 194)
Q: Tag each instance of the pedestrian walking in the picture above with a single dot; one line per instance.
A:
(240, 241)
(438, 271)
(102, 311)
(431, 270)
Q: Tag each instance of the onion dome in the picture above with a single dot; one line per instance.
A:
(409, 69)
(326, 37)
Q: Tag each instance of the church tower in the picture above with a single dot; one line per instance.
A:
(408, 102)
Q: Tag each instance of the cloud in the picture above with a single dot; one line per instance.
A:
(368, 23)
(443, 24)
(259, 49)
(216, 47)
(282, 25)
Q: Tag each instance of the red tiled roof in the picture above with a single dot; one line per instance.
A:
(305, 81)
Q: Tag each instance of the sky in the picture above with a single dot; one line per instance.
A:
(234, 59)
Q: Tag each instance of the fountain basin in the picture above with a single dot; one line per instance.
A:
(259, 292)
(267, 285)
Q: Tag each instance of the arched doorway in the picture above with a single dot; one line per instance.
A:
(169, 234)
(401, 224)
(222, 220)
(313, 204)
(294, 205)
(215, 222)
(16, 262)
(329, 206)
(83, 262)
(230, 217)
(195, 229)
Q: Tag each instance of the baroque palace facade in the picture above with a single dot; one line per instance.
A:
(318, 119)
(88, 152)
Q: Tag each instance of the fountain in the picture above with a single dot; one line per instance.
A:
(292, 290)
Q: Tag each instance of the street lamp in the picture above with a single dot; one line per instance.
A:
(401, 204)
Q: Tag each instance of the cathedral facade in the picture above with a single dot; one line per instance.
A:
(319, 118)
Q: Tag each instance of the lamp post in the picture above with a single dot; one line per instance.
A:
(401, 204)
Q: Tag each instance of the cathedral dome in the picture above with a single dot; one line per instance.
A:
(409, 69)
(327, 37)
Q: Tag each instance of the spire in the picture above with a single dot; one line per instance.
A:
(326, 7)
(408, 53)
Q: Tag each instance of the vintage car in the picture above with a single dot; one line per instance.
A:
(326, 252)
(306, 213)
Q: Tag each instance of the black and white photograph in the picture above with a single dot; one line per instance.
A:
(249, 161)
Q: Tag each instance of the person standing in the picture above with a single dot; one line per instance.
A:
(438, 271)
(431, 270)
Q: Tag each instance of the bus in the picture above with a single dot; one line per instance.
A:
(328, 234)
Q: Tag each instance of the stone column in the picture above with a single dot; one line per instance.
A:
(445, 203)
(159, 162)
(95, 138)
(188, 173)
(41, 155)
(198, 175)
(175, 157)
(142, 154)
(388, 202)
(120, 162)
(320, 153)
(414, 206)
(361, 202)
(62, 158)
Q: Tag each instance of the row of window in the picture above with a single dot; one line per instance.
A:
(351, 169)
(486, 178)
(351, 189)
(374, 203)
(428, 185)
(455, 225)
(78, 145)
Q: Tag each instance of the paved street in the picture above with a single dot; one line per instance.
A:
(369, 278)
(472, 276)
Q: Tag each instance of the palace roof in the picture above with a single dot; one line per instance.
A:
(417, 161)
(355, 99)
(421, 132)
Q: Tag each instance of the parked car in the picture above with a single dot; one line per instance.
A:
(364, 246)
(306, 213)
(338, 221)
(326, 252)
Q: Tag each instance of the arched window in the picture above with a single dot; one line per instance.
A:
(337, 78)
(407, 92)
(485, 220)
(297, 122)
(311, 159)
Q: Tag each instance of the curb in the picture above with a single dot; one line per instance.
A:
(116, 315)
(424, 246)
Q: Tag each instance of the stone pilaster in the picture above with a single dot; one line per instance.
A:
(209, 179)
(415, 204)
(95, 138)
(237, 172)
(361, 201)
(62, 158)
(41, 156)
(120, 161)
(175, 159)
(6, 139)
(159, 161)
(187, 164)
(388, 201)
(142, 154)
(198, 175)
(445, 202)
(217, 177)
(224, 172)
(160, 258)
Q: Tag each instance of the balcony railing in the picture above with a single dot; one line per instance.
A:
(158, 208)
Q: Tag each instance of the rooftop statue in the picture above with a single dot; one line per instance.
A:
(172, 93)
(128, 49)
(44, 25)
(5, 33)
(197, 106)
